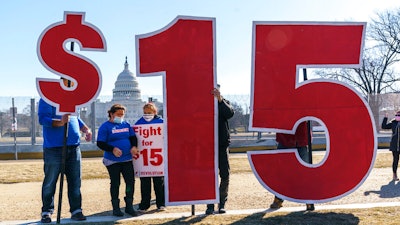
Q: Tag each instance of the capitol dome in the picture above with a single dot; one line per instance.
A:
(126, 86)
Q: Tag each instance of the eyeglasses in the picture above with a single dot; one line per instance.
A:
(397, 115)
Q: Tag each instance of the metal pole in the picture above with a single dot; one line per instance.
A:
(63, 159)
(93, 120)
(193, 211)
(14, 125)
(309, 129)
(33, 122)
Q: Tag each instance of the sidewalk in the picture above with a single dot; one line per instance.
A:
(94, 219)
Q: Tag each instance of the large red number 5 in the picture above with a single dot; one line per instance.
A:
(279, 103)
(183, 53)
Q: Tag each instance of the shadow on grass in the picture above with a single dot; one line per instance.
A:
(390, 190)
(294, 218)
(300, 218)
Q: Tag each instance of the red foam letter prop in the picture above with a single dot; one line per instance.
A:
(82, 72)
(280, 103)
(183, 53)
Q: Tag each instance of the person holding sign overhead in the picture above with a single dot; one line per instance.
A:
(53, 142)
(148, 121)
(225, 112)
(119, 143)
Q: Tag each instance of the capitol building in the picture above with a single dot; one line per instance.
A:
(126, 92)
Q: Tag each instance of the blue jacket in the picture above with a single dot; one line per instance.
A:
(54, 136)
(116, 135)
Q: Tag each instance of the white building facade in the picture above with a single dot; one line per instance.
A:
(126, 92)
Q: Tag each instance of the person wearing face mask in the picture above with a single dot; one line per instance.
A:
(150, 117)
(394, 142)
(118, 141)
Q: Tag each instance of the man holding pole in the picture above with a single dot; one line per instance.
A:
(61, 132)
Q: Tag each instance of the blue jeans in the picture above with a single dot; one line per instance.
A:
(52, 168)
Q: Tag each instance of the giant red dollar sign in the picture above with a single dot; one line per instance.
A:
(55, 57)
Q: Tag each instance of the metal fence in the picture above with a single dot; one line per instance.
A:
(19, 123)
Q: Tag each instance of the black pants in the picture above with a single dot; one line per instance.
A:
(224, 172)
(395, 161)
(145, 189)
(115, 170)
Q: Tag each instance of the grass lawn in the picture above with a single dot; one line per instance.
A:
(31, 171)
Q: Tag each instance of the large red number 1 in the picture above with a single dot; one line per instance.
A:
(280, 103)
(183, 53)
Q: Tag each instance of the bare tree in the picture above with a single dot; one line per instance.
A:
(238, 118)
(385, 29)
(377, 73)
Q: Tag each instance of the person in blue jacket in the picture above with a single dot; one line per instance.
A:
(150, 117)
(117, 139)
(53, 143)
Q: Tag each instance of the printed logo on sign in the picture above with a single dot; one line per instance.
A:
(116, 131)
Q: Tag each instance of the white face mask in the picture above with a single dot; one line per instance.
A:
(118, 119)
(397, 118)
(148, 117)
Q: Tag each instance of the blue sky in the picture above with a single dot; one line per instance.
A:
(22, 21)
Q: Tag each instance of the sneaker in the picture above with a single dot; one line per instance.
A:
(310, 207)
(161, 208)
(45, 218)
(221, 211)
(78, 216)
(141, 210)
(276, 204)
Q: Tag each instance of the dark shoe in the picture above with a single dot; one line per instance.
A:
(116, 210)
(209, 211)
(276, 204)
(310, 207)
(78, 217)
(129, 207)
(45, 218)
(131, 211)
(221, 208)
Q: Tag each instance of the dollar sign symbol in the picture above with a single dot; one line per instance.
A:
(83, 73)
